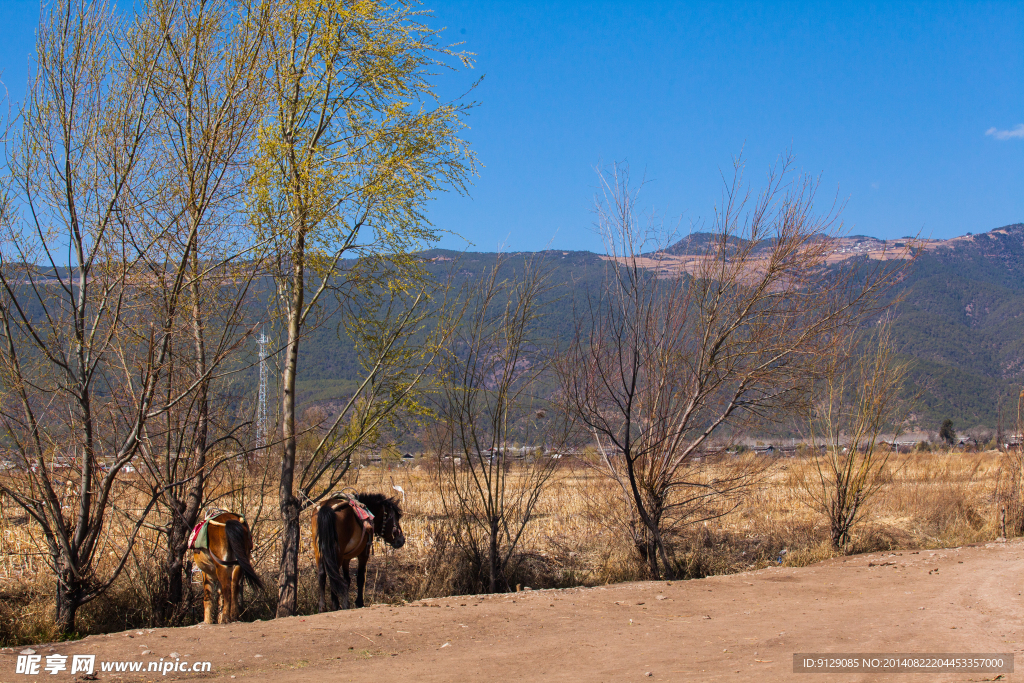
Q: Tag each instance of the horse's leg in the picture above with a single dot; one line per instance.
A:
(364, 557)
(209, 596)
(347, 581)
(224, 579)
(321, 575)
(236, 591)
(321, 568)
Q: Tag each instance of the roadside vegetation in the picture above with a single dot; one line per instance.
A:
(930, 500)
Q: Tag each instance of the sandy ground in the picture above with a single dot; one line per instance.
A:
(739, 627)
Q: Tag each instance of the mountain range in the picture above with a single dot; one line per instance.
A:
(960, 319)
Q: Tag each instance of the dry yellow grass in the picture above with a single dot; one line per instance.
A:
(930, 500)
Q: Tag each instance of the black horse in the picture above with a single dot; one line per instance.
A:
(340, 535)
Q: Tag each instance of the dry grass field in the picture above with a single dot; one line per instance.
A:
(930, 500)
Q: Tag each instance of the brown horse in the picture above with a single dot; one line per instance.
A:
(225, 563)
(346, 537)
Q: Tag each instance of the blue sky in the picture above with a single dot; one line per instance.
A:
(888, 103)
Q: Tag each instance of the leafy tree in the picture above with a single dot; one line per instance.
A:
(947, 433)
(356, 142)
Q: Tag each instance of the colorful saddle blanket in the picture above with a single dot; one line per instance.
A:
(362, 513)
(199, 540)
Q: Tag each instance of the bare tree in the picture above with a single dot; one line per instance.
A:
(68, 265)
(1010, 481)
(489, 381)
(673, 350)
(860, 397)
(356, 143)
(123, 174)
(209, 106)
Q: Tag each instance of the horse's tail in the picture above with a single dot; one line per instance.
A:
(327, 542)
(238, 541)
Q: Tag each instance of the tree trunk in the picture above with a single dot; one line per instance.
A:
(287, 587)
(288, 580)
(494, 555)
(651, 519)
(168, 610)
(652, 555)
(197, 491)
(67, 603)
(839, 536)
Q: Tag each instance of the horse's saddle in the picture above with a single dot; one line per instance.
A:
(199, 538)
(213, 512)
(343, 499)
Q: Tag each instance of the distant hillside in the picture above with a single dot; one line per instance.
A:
(848, 247)
(699, 243)
(329, 368)
(961, 320)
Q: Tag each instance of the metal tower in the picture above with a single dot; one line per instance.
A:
(261, 408)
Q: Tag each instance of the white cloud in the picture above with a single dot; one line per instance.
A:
(1017, 132)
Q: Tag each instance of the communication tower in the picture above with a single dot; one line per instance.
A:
(262, 422)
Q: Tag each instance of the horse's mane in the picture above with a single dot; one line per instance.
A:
(371, 500)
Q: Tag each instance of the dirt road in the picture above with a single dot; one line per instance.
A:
(738, 627)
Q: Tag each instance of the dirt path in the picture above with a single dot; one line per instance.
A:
(738, 627)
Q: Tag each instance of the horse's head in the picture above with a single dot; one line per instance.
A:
(387, 518)
(391, 524)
